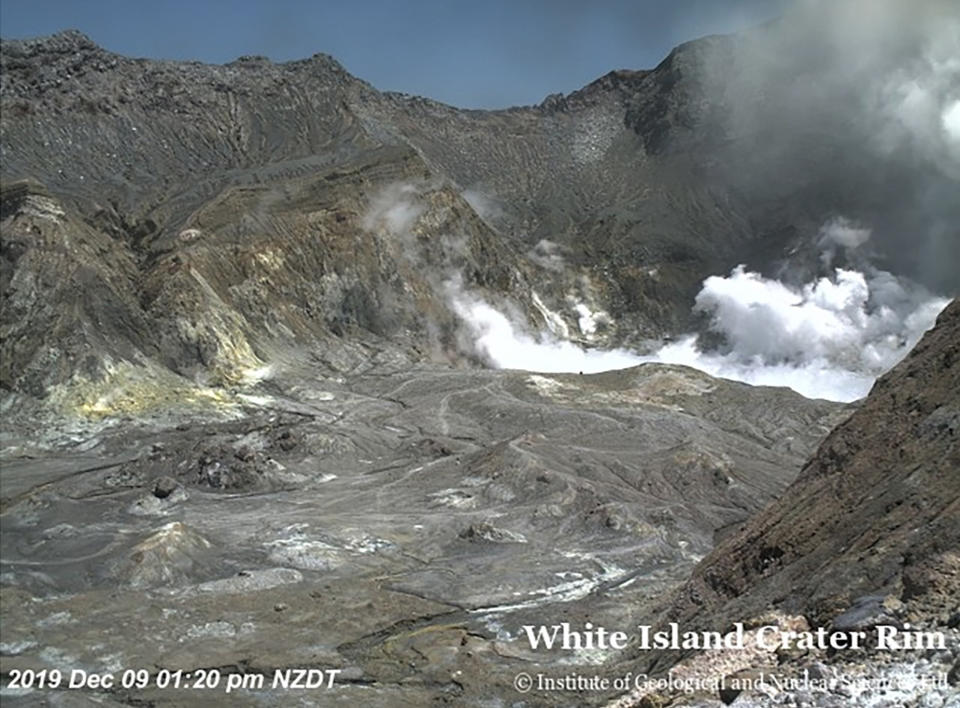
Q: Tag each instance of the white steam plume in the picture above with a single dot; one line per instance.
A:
(394, 210)
(951, 122)
(485, 207)
(547, 254)
(828, 339)
(504, 345)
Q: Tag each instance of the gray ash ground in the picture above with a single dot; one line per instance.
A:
(401, 527)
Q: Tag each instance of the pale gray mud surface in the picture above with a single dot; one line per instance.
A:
(401, 526)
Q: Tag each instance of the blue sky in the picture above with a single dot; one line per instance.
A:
(478, 54)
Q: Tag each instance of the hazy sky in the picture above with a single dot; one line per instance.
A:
(477, 53)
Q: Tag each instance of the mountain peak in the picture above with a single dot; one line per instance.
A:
(67, 41)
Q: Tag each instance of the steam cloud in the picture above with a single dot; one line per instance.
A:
(395, 209)
(828, 339)
(852, 106)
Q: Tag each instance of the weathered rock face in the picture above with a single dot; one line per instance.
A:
(258, 275)
(70, 295)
